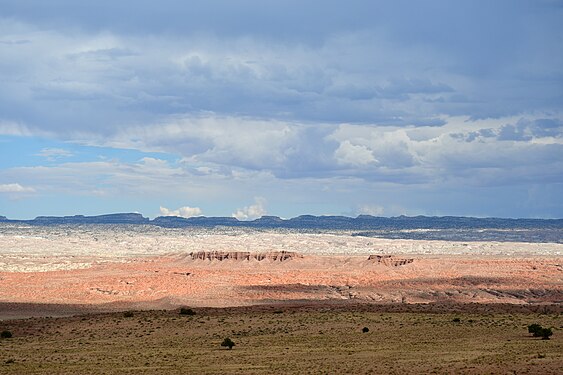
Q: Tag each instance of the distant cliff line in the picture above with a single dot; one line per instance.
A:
(362, 222)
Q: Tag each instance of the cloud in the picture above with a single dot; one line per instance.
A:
(526, 130)
(232, 147)
(148, 176)
(15, 188)
(104, 78)
(253, 211)
(350, 100)
(370, 209)
(218, 144)
(210, 148)
(181, 212)
(52, 154)
(520, 129)
(446, 183)
(355, 155)
(14, 128)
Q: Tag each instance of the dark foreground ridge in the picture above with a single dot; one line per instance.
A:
(362, 222)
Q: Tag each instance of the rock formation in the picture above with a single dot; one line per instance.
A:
(276, 256)
(389, 260)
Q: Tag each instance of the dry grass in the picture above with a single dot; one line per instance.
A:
(282, 340)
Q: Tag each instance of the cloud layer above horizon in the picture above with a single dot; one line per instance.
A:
(247, 108)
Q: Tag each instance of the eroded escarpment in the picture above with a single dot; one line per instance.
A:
(389, 260)
(276, 256)
(281, 256)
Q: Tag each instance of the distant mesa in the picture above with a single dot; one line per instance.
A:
(198, 221)
(121, 218)
(276, 256)
(265, 220)
(364, 225)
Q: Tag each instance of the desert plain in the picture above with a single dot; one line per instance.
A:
(292, 301)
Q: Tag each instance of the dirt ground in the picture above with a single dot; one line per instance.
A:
(320, 338)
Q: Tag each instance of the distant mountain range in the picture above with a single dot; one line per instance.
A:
(362, 222)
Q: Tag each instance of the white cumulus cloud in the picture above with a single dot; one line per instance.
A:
(181, 212)
(348, 153)
(253, 211)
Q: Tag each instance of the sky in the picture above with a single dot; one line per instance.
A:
(248, 108)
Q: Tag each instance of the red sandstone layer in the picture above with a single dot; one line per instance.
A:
(238, 279)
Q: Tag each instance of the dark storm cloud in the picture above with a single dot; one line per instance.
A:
(389, 63)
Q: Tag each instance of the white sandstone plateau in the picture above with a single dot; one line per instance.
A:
(31, 249)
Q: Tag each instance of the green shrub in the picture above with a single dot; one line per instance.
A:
(545, 333)
(535, 329)
(365, 330)
(456, 320)
(186, 311)
(228, 343)
(5, 334)
(539, 331)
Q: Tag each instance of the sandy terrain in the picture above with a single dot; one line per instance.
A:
(284, 340)
(149, 267)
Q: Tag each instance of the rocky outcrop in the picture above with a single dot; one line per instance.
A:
(389, 260)
(221, 255)
(276, 256)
